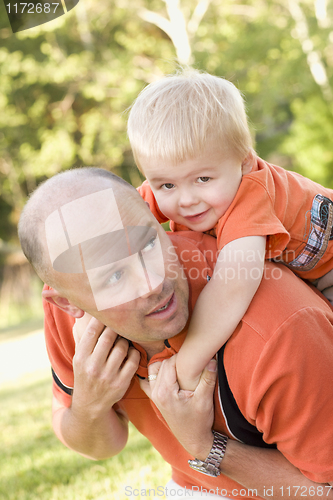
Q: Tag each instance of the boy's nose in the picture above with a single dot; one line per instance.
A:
(188, 199)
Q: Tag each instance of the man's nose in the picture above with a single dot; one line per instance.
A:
(148, 276)
(155, 279)
(156, 287)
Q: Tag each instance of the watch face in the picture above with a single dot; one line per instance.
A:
(200, 466)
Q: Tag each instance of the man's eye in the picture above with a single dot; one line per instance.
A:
(167, 186)
(151, 243)
(114, 278)
(203, 179)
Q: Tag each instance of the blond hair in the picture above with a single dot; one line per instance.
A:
(174, 117)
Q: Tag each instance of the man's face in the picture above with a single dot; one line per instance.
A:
(141, 294)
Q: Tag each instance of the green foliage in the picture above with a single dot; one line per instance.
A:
(310, 134)
(34, 465)
(64, 89)
(65, 86)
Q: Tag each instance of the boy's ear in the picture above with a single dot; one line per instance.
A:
(247, 163)
(54, 297)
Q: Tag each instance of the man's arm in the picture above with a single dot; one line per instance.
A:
(190, 417)
(269, 472)
(103, 366)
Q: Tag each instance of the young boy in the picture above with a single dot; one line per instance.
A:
(190, 138)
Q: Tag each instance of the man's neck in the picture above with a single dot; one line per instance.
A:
(153, 348)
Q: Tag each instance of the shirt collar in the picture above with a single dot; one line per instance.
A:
(171, 347)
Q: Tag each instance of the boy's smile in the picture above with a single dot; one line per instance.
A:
(198, 191)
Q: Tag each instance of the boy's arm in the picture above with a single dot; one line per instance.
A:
(221, 306)
(103, 366)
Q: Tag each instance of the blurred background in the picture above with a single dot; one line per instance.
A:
(65, 87)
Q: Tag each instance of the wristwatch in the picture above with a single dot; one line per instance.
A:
(211, 466)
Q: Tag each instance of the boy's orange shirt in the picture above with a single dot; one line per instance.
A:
(291, 210)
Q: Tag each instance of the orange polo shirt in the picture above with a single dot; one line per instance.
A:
(291, 210)
(278, 364)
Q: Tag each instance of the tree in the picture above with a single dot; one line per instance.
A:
(65, 86)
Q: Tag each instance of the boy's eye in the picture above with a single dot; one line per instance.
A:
(151, 243)
(203, 179)
(114, 278)
(167, 185)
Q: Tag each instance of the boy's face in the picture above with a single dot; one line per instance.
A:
(198, 191)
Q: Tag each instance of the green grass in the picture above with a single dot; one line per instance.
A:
(34, 465)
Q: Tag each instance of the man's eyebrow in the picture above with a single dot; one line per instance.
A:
(100, 272)
(129, 241)
(137, 236)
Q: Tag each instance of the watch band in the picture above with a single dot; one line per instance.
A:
(211, 466)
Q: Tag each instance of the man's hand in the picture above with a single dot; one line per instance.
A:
(189, 414)
(190, 418)
(104, 366)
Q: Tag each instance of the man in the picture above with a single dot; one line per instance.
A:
(272, 373)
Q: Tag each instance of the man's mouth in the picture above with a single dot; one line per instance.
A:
(165, 305)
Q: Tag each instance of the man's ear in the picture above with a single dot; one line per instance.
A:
(247, 163)
(54, 297)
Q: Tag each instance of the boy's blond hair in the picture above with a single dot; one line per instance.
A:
(174, 117)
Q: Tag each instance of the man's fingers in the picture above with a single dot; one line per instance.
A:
(90, 335)
(325, 281)
(80, 326)
(131, 364)
(144, 384)
(148, 384)
(328, 293)
(153, 371)
(76, 335)
(168, 371)
(207, 380)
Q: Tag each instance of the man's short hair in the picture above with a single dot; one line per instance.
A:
(174, 117)
(32, 221)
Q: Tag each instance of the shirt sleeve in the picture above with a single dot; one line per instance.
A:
(291, 399)
(60, 348)
(252, 214)
(148, 195)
